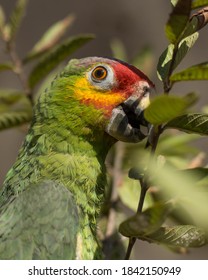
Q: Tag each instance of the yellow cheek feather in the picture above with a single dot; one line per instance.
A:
(89, 94)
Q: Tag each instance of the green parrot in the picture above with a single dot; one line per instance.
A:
(51, 198)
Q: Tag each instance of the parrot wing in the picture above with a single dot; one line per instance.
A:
(40, 223)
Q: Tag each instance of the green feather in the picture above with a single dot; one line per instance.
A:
(30, 225)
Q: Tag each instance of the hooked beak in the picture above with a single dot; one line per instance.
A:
(127, 119)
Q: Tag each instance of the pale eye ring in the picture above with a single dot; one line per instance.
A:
(99, 74)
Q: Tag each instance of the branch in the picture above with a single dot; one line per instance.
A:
(116, 180)
(144, 182)
(18, 69)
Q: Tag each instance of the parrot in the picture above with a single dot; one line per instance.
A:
(52, 196)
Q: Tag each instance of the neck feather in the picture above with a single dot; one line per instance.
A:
(66, 150)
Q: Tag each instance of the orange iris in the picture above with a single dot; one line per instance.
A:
(99, 73)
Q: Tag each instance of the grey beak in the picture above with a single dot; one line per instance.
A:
(126, 120)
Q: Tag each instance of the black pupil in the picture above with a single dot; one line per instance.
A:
(100, 73)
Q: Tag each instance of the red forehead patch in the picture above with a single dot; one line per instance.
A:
(128, 75)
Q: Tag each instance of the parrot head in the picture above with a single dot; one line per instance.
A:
(105, 93)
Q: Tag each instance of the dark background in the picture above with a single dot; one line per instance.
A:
(136, 24)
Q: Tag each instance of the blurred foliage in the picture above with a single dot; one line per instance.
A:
(170, 175)
(50, 50)
(166, 189)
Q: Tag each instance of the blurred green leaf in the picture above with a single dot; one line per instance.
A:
(13, 119)
(147, 222)
(205, 109)
(171, 57)
(178, 148)
(177, 144)
(174, 2)
(118, 49)
(178, 20)
(9, 96)
(197, 174)
(196, 72)
(199, 3)
(129, 193)
(11, 100)
(15, 109)
(6, 66)
(16, 18)
(180, 236)
(182, 187)
(164, 108)
(191, 123)
(51, 37)
(144, 60)
(55, 56)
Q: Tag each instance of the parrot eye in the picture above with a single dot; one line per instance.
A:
(99, 74)
(102, 77)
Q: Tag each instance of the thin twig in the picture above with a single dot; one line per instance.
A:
(116, 173)
(144, 185)
(132, 240)
(155, 135)
(116, 179)
(18, 69)
(197, 161)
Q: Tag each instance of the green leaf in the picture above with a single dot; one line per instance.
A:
(180, 236)
(196, 174)
(15, 109)
(9, 97)
(171, 57)
(164, 108)
(191, 27)
(174, 2)
(178, 20)
(183, 188)
(118, 49)
(196, 72)
(16, 18)
(13, 119)
(147, 222)
(196, 22)
(165, 62)
(184, 46)
(56, 56)
(199, 3)
(6, 66)
(129, 192)
(201, 18)
(50, 38)
(180, 145)
(11, 100)
(190, 123)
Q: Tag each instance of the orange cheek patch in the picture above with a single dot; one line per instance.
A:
(90, 95)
